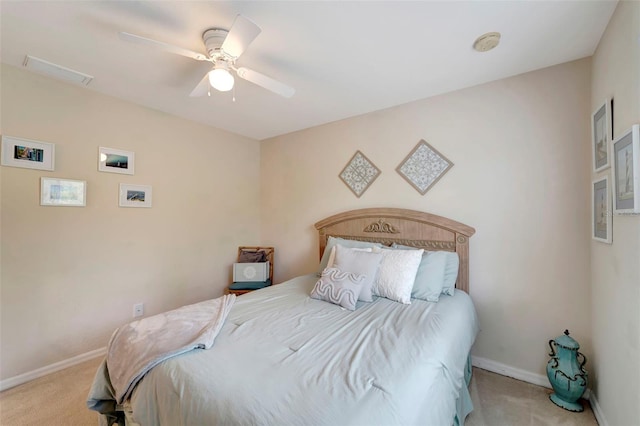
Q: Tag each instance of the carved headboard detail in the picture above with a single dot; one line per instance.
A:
(402, 226)
(381, 226)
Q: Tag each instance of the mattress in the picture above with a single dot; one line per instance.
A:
(284, 358)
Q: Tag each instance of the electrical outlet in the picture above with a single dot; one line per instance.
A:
(138, 310)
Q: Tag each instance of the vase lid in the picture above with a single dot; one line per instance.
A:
(567, 341)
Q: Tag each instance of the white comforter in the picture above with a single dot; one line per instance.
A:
(284, 358)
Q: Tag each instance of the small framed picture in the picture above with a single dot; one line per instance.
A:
(116, 161)
(135, 195)
(601, 217)
(423, 167)
(28, 154)
(601, 135)
(62, 192)
(626, 172)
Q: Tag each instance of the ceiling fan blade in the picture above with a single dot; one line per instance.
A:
(266, 82)
(164, 46)
(201, 88)
(242, 33)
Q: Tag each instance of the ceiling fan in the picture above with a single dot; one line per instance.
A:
(224, 47)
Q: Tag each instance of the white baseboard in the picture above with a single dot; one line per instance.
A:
(509, 371)
(52, 368)
(597, 410)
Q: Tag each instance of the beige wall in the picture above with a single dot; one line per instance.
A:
(522, 178)
(615, 268)
(521, 152)
(70, 276)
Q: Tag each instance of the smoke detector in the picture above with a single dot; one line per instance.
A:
(486, 42)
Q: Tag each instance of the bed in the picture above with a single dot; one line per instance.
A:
(284, 358)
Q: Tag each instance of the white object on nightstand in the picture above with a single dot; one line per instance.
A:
(247, 272)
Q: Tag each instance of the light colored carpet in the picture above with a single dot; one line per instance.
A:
(59, 399)
(503, 401)
(56, 399)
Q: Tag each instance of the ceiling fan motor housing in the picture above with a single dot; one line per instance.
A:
(213, 39)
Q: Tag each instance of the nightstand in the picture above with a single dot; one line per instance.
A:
(242, 287)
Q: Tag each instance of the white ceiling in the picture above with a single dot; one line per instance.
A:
(343, 58)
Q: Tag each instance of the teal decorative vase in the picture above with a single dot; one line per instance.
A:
(564, 369)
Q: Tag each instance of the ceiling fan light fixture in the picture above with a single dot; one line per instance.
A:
(221, 79)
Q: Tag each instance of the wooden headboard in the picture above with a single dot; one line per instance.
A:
(402, 226)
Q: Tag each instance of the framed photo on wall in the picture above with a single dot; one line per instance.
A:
(423, 167)
(116, 161)
(625, 154)
(62, 192)
(601, 217)
(28, 154)
(135, 195)
(601, 135)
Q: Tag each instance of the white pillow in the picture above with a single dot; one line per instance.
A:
(332, 254)
(452, 265)
(361, 263)
(332, 241)
(397, 273)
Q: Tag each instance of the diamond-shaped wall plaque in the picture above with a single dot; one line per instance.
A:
(423, 167)
(359, 173)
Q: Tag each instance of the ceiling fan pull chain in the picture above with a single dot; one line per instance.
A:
(234, 94)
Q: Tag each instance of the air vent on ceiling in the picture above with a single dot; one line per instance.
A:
(57, 71)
